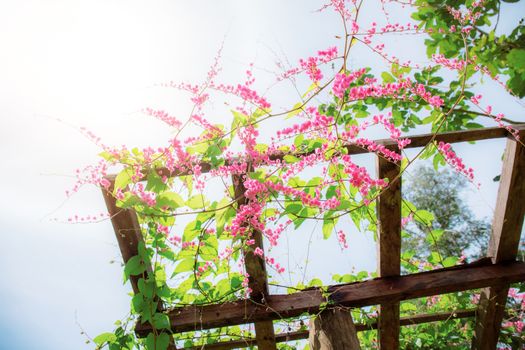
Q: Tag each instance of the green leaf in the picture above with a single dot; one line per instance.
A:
(236, 282)
(387, 77)
(199, 148)
(160, 276)
(296, 109)
(123, 179)
(298, 140)
(147, 288)
(155, 182)
(261, 148)
(107, 156)
(191, 231)
(185, 265)
(293, 209)
(137, 302)
(170, 199)
(516, 59)
(316, 282)
(134, 266)
(435, 236)
(290, 159)
(450, 261)
(196, 202)
(328, 227)
(407, 306)
(312, 87)
(423, 216)
(105, 338)
(160, 342)
(129, 201)
(161, 321)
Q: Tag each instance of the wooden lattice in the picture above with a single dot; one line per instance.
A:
(493, 274)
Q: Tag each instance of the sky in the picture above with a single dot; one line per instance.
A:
(68, 64)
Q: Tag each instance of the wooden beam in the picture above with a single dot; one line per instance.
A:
(129, 235)
(504, 243)
(127, 230)
(372, 292)
(333, 329)
(389, 248)
(298, 335)
(256, 269)
(415, 141)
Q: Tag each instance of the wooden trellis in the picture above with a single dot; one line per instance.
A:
(493, 274)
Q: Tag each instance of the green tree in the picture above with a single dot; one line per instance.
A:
(455, 229)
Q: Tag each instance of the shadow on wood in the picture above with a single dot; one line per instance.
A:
(333, 329)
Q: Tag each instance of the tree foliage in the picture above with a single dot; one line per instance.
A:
(455, 230)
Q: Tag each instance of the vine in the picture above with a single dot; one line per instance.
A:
(196, 224)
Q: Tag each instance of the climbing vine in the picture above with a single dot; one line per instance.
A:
(294, 168)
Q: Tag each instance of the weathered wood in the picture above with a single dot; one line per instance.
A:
(298, 335)
(127, 230)
(372, 292)
(256, 269)
(415, 141)
(389, 248)
(333, 329)
(504, 242)
(129, 235)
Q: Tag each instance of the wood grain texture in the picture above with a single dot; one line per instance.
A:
(372, 292)
(389, 248)
(333, 329)
(298, 335)
(416, 141)
(504, 243)
(256, 269)
(127, 231)
(129, 235)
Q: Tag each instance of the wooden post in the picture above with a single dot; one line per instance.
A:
(333, 329)
(504, 241)
(389, 249)
(256, 268)
(129, 235)
(127, 231)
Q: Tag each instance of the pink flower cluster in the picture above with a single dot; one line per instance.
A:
(433, 100)
(407, 219)
(147, 197)
(392, 90)
(340, 7)
(163, 116)
(310, 67)
(88, 218)
(319, 122)
(341, 237)
(454, 63)
(498, 118)
(395, 133)
(453, 160)
(92, 174)
(246, 93)
(327, 55)
(380, 149)
(246, 219)
(342, 81)
(271, 262)
(359, 177)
